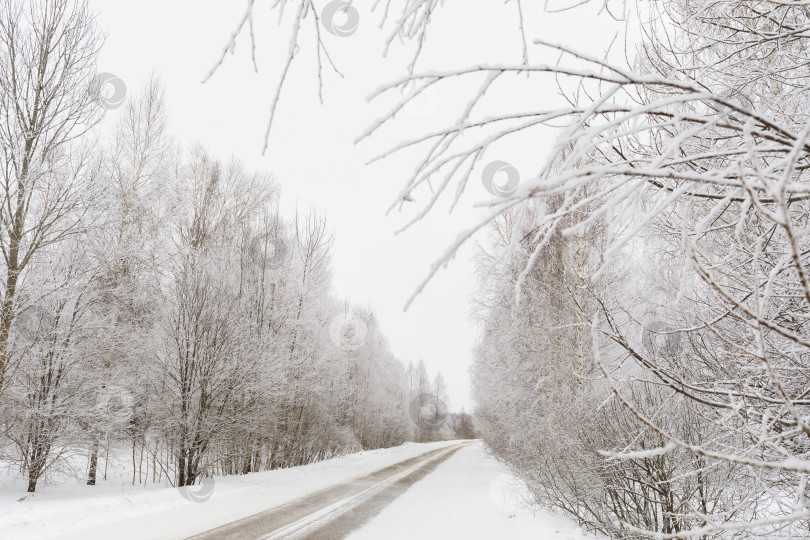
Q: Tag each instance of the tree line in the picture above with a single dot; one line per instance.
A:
(644, 295)
(154, 301)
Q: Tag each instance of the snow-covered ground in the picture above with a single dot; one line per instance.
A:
(468, 496)
(121, 510)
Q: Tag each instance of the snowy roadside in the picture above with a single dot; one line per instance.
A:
(469, 496)
(120, 510)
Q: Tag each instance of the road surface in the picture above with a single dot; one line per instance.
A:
(335, 512)
(429, 491)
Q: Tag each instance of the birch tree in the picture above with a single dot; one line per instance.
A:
(128, 244)
(47, 61)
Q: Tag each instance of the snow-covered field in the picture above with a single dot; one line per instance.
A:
(468, 496)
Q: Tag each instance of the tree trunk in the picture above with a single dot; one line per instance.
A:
(91, 475)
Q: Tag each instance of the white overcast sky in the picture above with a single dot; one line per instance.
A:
(311, 146)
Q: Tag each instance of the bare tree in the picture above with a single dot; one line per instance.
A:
(47, 405)
(128, 243)
(692, 150)
(47, 60)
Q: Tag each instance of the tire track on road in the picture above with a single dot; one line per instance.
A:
(334, 512)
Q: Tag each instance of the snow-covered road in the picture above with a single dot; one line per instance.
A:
(334, 512)
(470, 496)
(427, 491)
